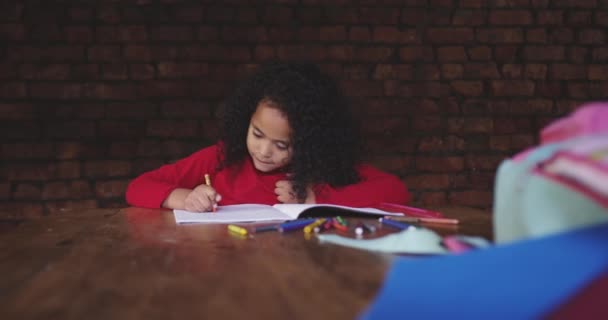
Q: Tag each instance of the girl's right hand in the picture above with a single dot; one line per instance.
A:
(202, 199)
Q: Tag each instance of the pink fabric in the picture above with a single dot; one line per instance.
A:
(590, 118)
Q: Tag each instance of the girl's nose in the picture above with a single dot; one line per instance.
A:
(266, 149)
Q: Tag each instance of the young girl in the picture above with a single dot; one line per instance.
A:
(287, 136)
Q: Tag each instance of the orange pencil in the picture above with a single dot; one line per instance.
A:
(208, 182)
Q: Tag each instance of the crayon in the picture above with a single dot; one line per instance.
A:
(236, 229)
(295, 224)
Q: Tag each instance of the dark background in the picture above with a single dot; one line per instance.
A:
(92, 93)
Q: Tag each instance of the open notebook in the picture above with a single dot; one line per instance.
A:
(277, 212)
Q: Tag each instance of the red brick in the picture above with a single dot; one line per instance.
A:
(307, 52)
(309, 15)
(123, 129)
(512, 71)
(66, 129)
(122, 149)
(76, 189)
(181, 70)
(560, 36)
(63, 90)
(543, 53)
(427, 124)
(537, 35)
(373, 54)
(341, 15)
(148, 148)
(245, 16)
(513, 3)
(189, 13)
(441, 3)
(141, 71)
(124, 34)
(500, 35)
(481, 70)
(428, 181)
(110, 91)
(356, 72)
(5, 190)
(27, 150)
(513, 88)
(550, 17)
(340, 53)
(469, 18)
(27, 191)
(475, 107)
(438, 143)
(47, 171)
(483, 162)
(389, 71)
(158, 89)
(277, 15)
(106, 168)
(172, 128)
(77, 150)
(513, 125)
(578, 55)
(332, 33)
(378, 15)
(601, 18)
(110, 189)
(12, 32)
(452, 71)
(597, 72)
(453, 53)
(171, 33)
(359, 34)
(220, 14)
(592, 36)
(470, 125)
(473, 3)
(360, 88)
(20, 130)
(480, 53)
(384, 126)
(12, 90)
(468, 88)
(56, 207)
(483, 179)
(432, 198)
(416, 53)
(439, 164)
(264, 53)
(510, 17)
(567, 72)
(578, 18)
(394, 164)
(21, 209)
(535, 71)
(182, 109)
(208, 33)
(475, 198)
(386, 34)
(450, 35)
(103, 53)
(384, 144)
(114, 71)
(415, 17)
(460, 181)
(15, 111)
(506, 53)
(549, 89)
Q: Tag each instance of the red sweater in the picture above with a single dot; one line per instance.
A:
(248, 185)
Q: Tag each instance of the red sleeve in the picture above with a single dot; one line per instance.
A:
(375, 187)
(152, 188)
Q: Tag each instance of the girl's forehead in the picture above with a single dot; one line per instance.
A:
(269, 119)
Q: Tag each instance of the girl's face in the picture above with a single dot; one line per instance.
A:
(268, 138)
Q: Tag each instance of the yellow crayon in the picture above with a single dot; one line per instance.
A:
(236, 229)
(311, 227)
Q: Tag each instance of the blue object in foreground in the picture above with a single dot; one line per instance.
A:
(522, 280)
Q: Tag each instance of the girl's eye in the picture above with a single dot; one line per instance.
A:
(281, 146)
(257, 135)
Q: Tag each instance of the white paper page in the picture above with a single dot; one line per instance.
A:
(232, 213)
(293, 210)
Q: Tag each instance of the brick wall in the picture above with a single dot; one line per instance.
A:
(92, 93)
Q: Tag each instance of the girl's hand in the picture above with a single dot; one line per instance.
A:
(285, 194)
(203, 198)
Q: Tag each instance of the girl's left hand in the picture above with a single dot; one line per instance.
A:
(285, 194)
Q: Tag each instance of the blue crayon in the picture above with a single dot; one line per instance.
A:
(394, 224)
(272, 227)
(295, 224)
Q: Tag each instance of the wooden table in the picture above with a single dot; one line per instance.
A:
(136, 263)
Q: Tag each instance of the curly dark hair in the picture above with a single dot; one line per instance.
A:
(325, 137)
